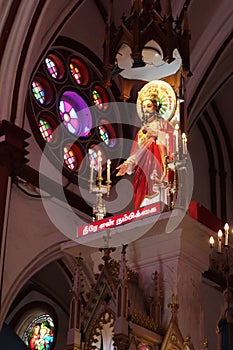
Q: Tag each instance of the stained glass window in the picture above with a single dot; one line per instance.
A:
(46, 130)
(76, 73)
(67, 100)
(51, 67)
(54, 66)
(100, 97)
(73, 157)
(70, 158)
(39, 335)
(104, 134)
(75, 114)
(79, 71)
(38, 92)
(107, 133)
(97, 99)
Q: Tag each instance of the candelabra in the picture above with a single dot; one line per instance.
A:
(175, 164)
(97, 186)
(221, 257)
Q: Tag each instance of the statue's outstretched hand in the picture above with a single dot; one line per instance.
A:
(122, 169)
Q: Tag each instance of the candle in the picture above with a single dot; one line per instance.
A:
(219, 241)
(226, 228)
(176, 139)
(99, 156)
(184, 143)
(167, 143)
(108, 170)
(91, 169)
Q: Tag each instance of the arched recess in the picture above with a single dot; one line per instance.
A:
(218, 149)
(211, 166)
(30, 312)
(47, 292)
(221, 172)
(42, 260)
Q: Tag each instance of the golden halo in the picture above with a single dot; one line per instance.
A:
(163, 93)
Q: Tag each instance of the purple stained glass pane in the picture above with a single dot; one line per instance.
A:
(75, 114)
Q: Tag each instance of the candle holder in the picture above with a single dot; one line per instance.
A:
(97, 186)
(221, 256)
(175, 164)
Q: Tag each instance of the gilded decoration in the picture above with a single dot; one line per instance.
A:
(144, 321)
(173, 339)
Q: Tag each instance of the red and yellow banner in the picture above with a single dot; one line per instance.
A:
(121, 219)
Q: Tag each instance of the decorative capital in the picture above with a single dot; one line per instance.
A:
(13, 146)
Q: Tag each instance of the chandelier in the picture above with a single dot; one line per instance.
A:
(221, 257)
(146, 46)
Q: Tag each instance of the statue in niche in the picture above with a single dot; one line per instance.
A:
(147, 159)
(225, 322)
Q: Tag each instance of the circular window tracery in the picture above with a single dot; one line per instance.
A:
(75, 114)
(70, 105)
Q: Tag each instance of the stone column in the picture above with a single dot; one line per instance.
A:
(180, 257)
(12, 158)
(121, 325)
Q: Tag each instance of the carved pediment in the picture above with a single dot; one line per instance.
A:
(173, 339)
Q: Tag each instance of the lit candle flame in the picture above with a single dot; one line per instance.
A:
(226, 228)
(219, 241)
(211, 241)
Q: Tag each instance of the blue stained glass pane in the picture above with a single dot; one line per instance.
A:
(73, 113)
(71, 128)
(62, 106)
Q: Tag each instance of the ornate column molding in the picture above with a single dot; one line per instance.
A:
(12, 158)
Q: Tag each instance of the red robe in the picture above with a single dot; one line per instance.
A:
(147, 159)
